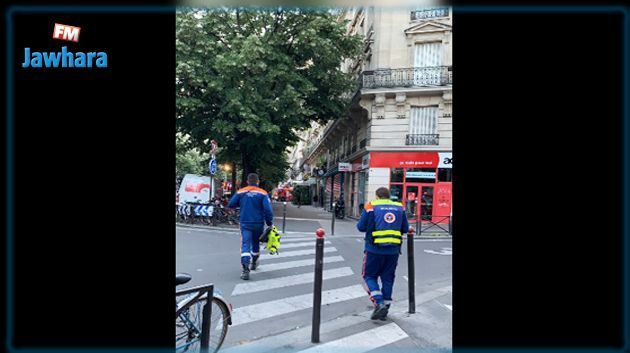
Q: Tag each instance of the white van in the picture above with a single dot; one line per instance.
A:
(194, 188)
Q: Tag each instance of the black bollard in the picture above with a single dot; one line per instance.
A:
(332, 224)
(411, 272)
(284, 216)
(317, 290)
(418, 220)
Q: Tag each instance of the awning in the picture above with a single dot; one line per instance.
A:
(331, 172)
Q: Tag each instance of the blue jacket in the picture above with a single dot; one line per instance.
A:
(381, 215)
(255, 206)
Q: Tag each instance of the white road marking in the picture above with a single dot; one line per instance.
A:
(199, 269)
(294, 338)
(255, 312)
(286, 239)
(287, 281)
(364, 341)
(293, 264)
(283, 254)
(443, 251)
(300, 245)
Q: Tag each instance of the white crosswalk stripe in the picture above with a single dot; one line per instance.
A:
(301, 244)
(290, 239)
(255, 312)
(283, 254)
(280, 282)
(362, 342)
(294, 264)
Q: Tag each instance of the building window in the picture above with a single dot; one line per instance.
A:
(395, 192)
(423, 129)
(397, 175)
(420, 175)
(445, 174)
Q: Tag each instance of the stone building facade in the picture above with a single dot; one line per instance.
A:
(398, 132)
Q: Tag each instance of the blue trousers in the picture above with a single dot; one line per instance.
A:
(250, 243)
(383, 266)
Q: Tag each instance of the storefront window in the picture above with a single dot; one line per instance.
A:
(397, 175)
(420, 175)
(445, 174)
(395, 192)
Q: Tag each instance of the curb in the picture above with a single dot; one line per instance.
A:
(435, 236)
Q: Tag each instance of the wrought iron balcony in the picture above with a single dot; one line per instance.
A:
(408, 77)
(429, 13)
(423, 139)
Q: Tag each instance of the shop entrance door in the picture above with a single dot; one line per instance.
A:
(424, 194)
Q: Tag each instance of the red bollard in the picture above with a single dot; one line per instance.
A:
(317, 290)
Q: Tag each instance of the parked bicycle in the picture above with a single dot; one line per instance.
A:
(200, 327)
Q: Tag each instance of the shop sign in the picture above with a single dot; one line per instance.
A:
(446, 160)
(356, 167)
(442, 201)
(425, 175)
(365, 161)
(404, 160)
(345, 167)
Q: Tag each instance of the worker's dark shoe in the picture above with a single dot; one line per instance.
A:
(253, 265)
(245, 274)
(379, 312)
(384, 317)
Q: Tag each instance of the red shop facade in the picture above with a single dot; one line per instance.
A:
(422, 181)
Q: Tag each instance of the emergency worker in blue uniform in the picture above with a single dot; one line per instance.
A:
(384, 222)
(255, 212)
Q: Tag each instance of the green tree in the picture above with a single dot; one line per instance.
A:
(252, 79)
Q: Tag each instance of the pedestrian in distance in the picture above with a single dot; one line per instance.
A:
(255, 212)
(384, 222)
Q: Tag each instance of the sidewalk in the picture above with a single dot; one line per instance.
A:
(320, 218)
(429, 328)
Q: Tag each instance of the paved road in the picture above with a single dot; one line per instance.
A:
(278, 298)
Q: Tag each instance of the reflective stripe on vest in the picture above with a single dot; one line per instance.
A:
(387, 237)
(387, 240)
(385, 202)
(378, 233)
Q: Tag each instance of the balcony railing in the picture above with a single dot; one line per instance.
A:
(408, 77)
(429, 13)
(423, 139)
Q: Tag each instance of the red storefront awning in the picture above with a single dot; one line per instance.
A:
(404, 159)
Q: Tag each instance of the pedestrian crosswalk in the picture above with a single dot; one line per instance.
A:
(278, 298)
(257, 286)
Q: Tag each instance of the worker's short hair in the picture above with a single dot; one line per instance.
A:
(252, 178)
(382, 193)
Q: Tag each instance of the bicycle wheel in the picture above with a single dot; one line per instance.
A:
(188, 327)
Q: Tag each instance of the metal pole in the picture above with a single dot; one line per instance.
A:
(332, 224)
(205, 321)
(411, 272)
(418, 215)
(284, 216)
(317, 290)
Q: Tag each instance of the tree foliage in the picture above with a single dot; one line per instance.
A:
(252, 79)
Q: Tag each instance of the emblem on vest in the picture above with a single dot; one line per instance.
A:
(389, 217)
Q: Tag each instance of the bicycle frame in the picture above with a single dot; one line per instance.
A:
(200, 291)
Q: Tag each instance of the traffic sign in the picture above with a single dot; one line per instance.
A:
(213, 166)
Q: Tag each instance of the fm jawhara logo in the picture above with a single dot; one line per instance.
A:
(64, 58)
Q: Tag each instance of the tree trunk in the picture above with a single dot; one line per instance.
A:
(234, 188)
(247, 168)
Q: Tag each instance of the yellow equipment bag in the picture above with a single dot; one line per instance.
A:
(273, 241)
